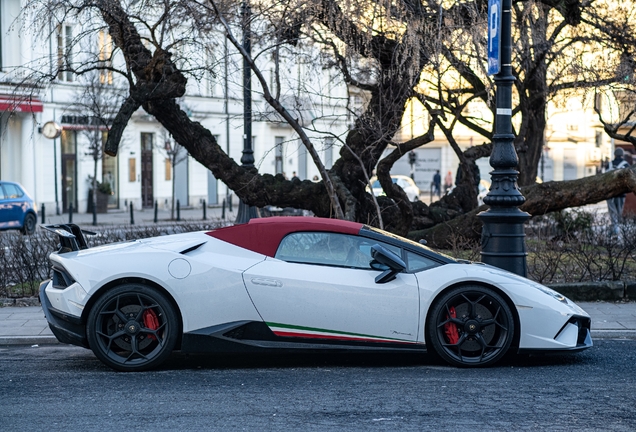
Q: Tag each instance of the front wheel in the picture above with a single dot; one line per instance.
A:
(132, 328)
(30, 221)
(470, 326)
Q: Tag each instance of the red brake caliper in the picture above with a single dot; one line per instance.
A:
(151, 321)
(450, 329)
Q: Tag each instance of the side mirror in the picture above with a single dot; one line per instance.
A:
(385, 257)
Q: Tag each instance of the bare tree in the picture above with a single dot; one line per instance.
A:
(382, 50)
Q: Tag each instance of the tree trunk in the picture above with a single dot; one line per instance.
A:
(541, 198)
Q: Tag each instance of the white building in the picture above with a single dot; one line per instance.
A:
(57, 171)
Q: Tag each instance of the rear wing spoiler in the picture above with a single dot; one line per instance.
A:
(71, 237)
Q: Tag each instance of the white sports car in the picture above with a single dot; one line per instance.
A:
(295, 283)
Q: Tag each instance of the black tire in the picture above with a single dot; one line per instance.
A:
(30, 222)
(132, 328)
(470, 326)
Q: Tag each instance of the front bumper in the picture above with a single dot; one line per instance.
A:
(575, 336)
(67, 328)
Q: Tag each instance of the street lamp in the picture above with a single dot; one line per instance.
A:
(245, 211)
(503, 237)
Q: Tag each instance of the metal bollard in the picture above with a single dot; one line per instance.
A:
(204, 208)
(43, 213)
(70, 213)
(178, 211)
(156, 210)
(132, 216)
(223, 211)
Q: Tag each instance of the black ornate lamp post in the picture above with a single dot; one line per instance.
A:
(503, 237)
(245, 211)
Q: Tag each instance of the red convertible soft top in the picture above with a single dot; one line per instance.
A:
(263, 235)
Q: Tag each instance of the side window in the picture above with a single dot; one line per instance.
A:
(12, 191)
(418, 263)
(331, 249)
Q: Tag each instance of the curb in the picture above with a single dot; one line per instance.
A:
(19, 302)
(595, 291)
(613, 334)
(28, 340)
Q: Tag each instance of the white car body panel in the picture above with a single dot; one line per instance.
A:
(212, 293)
(336, 302)
(541, 316)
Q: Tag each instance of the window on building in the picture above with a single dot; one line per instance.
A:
(278, 154)
(168, 169)
(328, 152)
(105, 57)
(132, 170)
(64, 52)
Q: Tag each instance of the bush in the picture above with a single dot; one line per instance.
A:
(24, 260)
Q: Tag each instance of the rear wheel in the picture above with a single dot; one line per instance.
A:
(132, 328)
(30, 221)
(471, 326)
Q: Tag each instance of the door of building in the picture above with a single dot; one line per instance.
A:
(147, 198)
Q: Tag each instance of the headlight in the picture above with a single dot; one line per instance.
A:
(552, 293)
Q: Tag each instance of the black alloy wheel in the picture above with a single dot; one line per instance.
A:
(471, 326)
(30, 221)
(132, 328)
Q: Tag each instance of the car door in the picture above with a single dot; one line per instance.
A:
(8, 208)
(320, 286)
(14, 199)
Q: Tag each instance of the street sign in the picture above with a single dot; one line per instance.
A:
(494, 36)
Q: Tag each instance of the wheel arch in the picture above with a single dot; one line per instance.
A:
(137, 280)
(507, 299)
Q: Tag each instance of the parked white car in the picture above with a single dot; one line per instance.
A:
(405, 182)
(295, 284)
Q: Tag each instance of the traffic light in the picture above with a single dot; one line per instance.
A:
(412, 157)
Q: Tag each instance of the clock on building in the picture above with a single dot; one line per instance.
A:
(51, 130)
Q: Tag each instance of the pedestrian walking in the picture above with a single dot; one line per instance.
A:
(437, 183)
(615, 205)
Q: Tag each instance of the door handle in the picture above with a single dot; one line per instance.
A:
(267, 282)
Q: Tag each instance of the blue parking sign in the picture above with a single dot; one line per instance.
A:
(494, 32)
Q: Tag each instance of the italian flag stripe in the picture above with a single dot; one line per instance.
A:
(287, 330)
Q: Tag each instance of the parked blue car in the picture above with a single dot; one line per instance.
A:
(17, 208)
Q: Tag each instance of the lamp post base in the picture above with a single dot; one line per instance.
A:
(503, 239)
(245, 213)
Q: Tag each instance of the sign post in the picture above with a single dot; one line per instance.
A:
(494, 32)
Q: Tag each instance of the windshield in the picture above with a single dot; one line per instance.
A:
(411, 242)
(376, 184)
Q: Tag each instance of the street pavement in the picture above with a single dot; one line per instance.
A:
(27, 325)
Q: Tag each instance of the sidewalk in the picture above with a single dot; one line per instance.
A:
(27, 325)
(141, 217)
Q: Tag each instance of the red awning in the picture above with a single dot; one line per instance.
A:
(20, 104)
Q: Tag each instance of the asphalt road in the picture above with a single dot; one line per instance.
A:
(65, 388)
